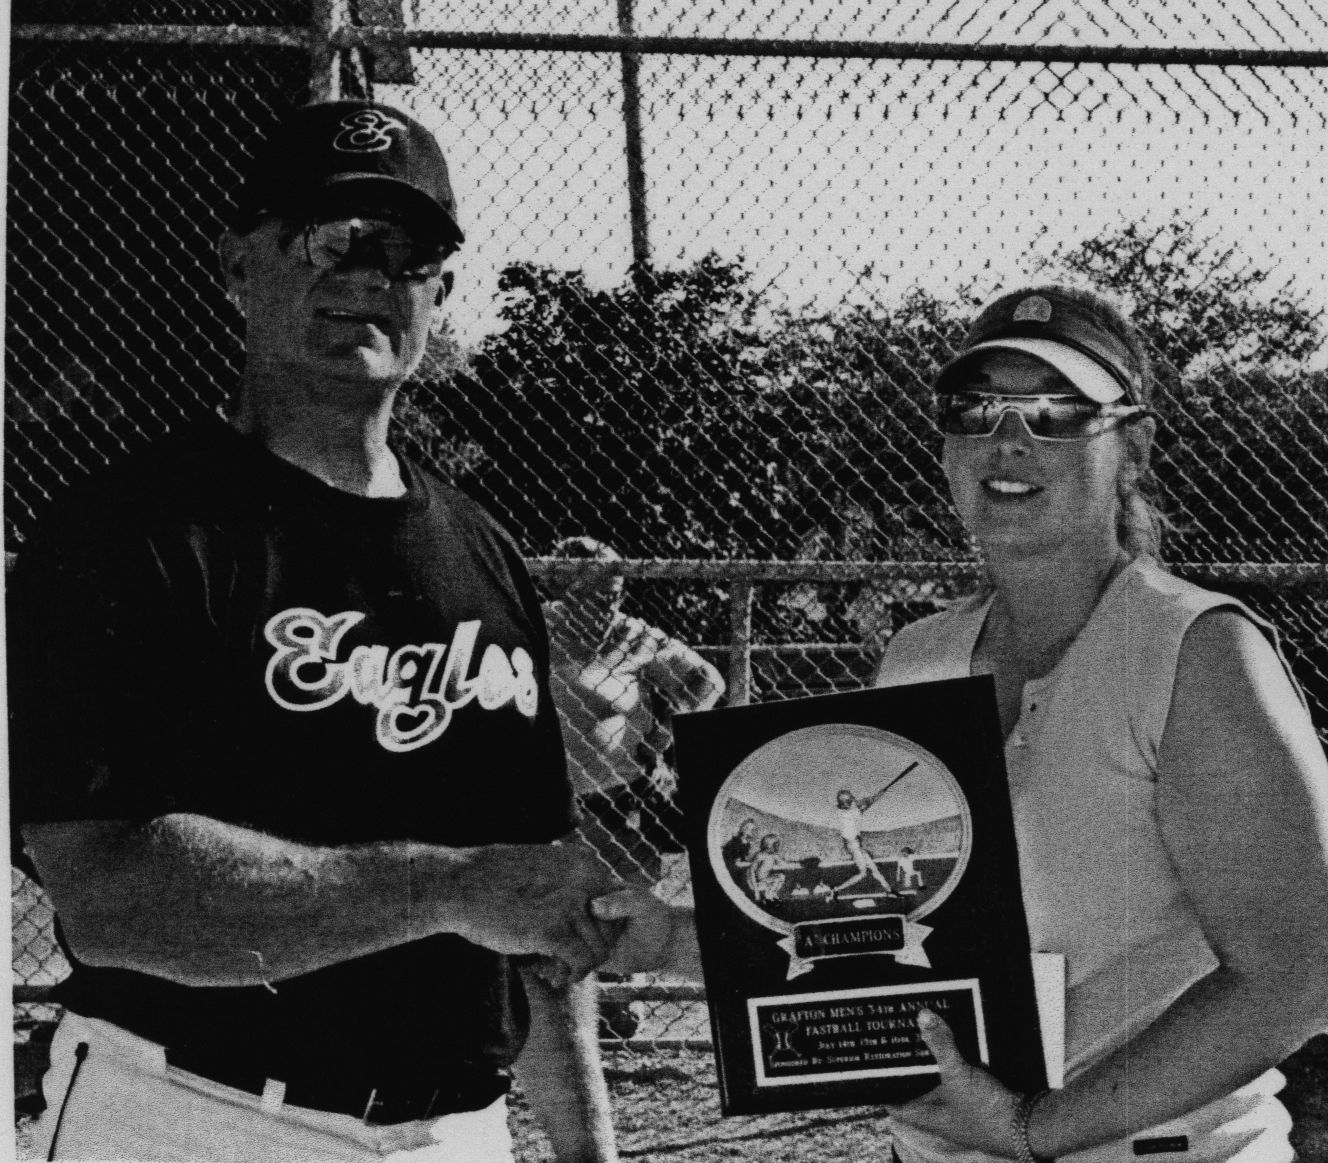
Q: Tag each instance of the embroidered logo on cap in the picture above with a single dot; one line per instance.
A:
(1034, 309)
(367, 131)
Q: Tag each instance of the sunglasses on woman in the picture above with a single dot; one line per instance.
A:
(1046, 417)
(375, 242)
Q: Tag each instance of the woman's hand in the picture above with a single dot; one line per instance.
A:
(970, 1108)
(651, 934)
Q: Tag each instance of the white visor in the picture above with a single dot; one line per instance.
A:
(1084, 372)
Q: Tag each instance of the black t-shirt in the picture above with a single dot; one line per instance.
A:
(214, 631)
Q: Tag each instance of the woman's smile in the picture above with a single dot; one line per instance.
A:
(1006, 489)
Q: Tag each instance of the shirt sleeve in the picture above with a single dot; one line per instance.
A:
(897, 663)
(95, 684)
(553, 812)
(929, 650)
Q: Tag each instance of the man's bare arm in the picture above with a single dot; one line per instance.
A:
(559, 1069)
(202, 902)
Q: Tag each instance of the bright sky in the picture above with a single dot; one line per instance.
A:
(840, 180)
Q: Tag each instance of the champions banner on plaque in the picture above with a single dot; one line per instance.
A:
(853, 861)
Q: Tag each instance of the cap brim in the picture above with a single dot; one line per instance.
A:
(341, 191)
(1084, 372)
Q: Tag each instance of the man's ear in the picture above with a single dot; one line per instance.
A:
(233, 251)
(438, 316)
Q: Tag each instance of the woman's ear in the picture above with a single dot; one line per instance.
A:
(1139, 436)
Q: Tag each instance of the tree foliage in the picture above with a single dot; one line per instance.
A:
(688, 414)
(1243, 438)
(684, 415)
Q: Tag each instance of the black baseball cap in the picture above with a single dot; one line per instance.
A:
(331, 155)
(1077, 332)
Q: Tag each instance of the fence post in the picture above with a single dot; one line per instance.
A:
(325, 18)
(636, 175)
(740, 643)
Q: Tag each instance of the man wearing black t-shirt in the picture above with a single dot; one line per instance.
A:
(283, 748)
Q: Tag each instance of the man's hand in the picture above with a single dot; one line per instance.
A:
(650, 934)
(970, 1108)
(534, 898)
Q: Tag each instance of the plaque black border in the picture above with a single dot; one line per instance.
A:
(978, 932)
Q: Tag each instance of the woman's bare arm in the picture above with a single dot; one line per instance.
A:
(1242, 803)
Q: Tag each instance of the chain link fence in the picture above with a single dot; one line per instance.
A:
(714, 256)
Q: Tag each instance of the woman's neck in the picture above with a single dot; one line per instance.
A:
(1041, 604)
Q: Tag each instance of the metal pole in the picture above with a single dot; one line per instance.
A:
(740, 643)
(636, 176)
(326, 17)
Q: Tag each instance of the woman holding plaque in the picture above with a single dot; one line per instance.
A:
(1158, 749)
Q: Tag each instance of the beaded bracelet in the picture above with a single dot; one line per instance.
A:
(1023, 1115)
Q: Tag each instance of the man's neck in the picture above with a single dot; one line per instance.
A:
(336, 436)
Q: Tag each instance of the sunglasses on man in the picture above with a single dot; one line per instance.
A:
(1060, 417)
(379, 243)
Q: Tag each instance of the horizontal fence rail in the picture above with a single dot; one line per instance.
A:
(387, 37)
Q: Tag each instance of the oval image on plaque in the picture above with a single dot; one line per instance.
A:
(839, 820)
